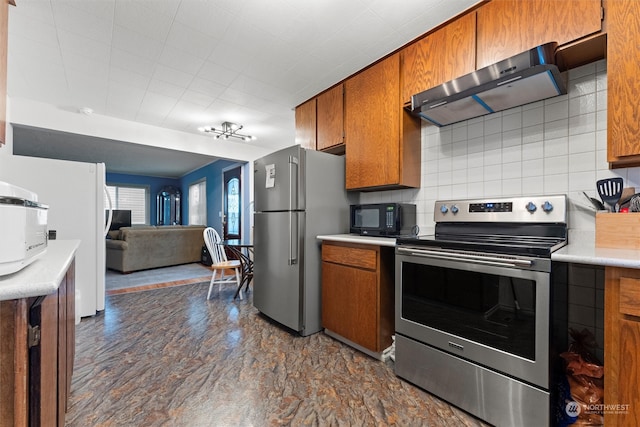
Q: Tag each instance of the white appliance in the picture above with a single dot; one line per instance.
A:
(23, 227)
(74, 192)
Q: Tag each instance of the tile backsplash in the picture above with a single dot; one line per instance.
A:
(555, 146)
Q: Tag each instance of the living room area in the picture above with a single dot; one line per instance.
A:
(155, 238)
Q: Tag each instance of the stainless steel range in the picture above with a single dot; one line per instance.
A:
(480, 311)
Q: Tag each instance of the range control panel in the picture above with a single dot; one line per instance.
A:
(549, 209)
(491, 207)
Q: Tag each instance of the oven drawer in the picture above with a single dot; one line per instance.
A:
(489, 395)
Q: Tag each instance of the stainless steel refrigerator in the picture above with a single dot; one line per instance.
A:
(298, 194)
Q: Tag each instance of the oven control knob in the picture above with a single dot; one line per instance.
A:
(547, 207)
(454, 209)
(444, 209)
(531, 207)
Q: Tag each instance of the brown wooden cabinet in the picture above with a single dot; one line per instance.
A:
(330, 120)
(37, 348)
(508, 27)
(306, 124)
(358, 294)
(623, 90)
(621, 344)
(320, 122)
(383, 140)
(443, 55)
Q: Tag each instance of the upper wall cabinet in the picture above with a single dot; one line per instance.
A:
(508, 27)
(306, 124)
(441, 56)
(383, 140)
(320, 122)
(330, 119)
(623, 87)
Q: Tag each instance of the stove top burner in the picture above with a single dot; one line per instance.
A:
(499, 244)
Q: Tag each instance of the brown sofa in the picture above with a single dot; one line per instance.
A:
(140, 248)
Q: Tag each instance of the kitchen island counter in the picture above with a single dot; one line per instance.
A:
(42, 276)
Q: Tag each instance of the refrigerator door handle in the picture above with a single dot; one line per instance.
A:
(293, 163)
(293, 238)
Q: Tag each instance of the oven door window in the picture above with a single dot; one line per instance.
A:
(493, 310)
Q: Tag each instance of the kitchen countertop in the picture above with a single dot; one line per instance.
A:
(581, 249)
(356, 238)
(42, 276)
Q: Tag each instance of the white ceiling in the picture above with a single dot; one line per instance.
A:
(181, 64)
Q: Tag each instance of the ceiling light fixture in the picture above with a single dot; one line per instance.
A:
(228, 130)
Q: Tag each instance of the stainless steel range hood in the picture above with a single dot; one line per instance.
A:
(527, 77)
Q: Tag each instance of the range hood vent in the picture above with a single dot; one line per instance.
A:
(527, 77)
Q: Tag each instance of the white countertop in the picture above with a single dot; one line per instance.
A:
(356, 238)
(42, 276)
(581, 249)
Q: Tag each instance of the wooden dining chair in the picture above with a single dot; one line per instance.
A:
(221, 265)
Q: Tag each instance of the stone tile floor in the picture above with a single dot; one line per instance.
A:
(169, 357)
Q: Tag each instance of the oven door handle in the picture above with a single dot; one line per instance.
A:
(449, 256)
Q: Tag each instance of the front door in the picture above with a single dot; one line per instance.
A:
(232, 213)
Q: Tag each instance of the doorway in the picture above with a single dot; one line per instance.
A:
(232, 203)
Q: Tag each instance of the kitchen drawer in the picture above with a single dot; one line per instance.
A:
(630, 296)
(351, 256)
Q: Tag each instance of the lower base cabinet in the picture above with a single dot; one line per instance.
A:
(622, 341)
(358, 293)
(37, 348)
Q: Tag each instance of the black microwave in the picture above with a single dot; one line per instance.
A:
(383, 219)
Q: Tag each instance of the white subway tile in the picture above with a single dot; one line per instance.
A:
(475, 145)
(512, 137)
(531, 168)
(532, 185)
(475, 130)
(583, 71)
(582, 181)
(512, 121)
(475, 189)
(582, 85)
(493, 172)
(582, 124)
(475, 174)
(556, 110)
(534, 150)
(511, 170)
(555, 128)
(492, 157)
(582, 142)
(493, 142)
(532, 134)
(533, 116)
(556, 165)
(582, 104)
(445, 178)
(459, 191)
(558, 183)
(512, 187)
(492, 188)
(556, 147)
(512, 154)
(581, 162)
(459, 133)
(493, 124)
